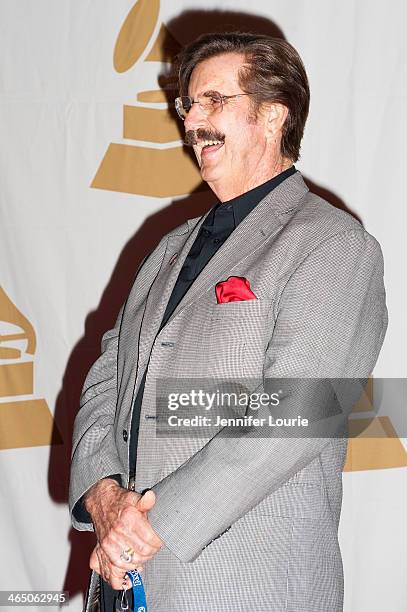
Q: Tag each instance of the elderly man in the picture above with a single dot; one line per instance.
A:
(272, 283)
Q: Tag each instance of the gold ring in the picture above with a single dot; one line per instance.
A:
(127, 555)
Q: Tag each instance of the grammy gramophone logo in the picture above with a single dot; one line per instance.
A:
(373, 441)
(25, 420)
(153, 161)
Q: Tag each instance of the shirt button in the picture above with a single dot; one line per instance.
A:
(125, 435)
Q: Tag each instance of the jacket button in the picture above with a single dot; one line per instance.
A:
(125, 435)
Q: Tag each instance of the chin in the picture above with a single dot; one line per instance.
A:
(211, 173)
(209, 176)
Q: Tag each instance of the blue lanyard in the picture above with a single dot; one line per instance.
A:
(139, 595)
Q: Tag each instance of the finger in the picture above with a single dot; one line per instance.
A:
(140, 545)
(138, 535)
(108, 571)
(135, 524)
(94, 561)
(144, 531)
(111, 566)
(147, 501)
(113, 555)
(104, 566)
(126, 582)
(116, 583)
(112, 574)
(117, 579)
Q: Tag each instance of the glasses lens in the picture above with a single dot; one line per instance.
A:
(183, 106)
(210, 103)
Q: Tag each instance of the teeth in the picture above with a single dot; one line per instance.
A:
(210, 142)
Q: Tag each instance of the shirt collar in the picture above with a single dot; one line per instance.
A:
(243, 204)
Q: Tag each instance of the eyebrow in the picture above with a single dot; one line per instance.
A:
(210, 92)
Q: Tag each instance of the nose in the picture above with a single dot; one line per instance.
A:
(195, 119)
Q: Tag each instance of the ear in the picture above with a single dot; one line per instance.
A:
(275, 117)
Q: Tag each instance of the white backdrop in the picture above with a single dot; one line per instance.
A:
(68, 250)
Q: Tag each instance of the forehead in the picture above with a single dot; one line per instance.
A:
(219, 73)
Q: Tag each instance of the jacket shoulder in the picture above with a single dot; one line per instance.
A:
(316, 224)
(317, 220)
(316, 209)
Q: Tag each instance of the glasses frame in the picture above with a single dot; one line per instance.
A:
(222, 99)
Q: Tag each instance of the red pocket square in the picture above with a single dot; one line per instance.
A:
(234, 289)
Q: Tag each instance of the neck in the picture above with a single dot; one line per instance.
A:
(226, 190)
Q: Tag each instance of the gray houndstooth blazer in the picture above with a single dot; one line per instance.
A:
(320, 312)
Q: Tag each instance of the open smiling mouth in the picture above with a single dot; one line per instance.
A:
(204, 141)
(210, 146)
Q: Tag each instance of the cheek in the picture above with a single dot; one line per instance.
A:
(240, 143)
(251, 142)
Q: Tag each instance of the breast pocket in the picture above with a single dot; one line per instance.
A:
(237, 338)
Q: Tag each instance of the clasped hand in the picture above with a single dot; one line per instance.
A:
(120, 520)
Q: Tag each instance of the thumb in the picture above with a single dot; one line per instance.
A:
(147, 501)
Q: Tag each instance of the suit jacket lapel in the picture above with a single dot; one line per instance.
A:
(179, 243)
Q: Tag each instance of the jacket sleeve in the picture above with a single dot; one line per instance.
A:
(94, 454)
(330, 322)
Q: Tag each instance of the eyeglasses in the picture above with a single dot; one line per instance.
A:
(210, 102)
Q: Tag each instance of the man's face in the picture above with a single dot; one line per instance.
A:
(239, 159)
